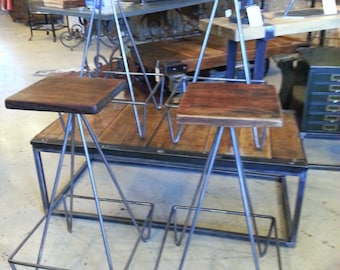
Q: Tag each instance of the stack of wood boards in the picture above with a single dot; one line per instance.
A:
(64, 3)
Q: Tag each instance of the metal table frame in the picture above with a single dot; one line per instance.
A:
(270, 170)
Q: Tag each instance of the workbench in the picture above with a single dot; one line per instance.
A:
(275, 25)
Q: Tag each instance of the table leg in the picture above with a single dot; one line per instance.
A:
(260, 59)
(231, 59)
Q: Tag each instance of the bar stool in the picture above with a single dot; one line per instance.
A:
(76, 97)
(233, 106)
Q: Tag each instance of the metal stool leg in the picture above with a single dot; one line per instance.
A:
(69, 131)
(252, 230)
(200, 190)
(55, 186)
(199, 194)
(245, 198)
(69, 214)
(113, 177)
(95, 193)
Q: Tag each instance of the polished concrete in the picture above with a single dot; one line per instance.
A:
(318, 242)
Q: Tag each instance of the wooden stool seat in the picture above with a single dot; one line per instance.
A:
(230, 105)
(66, 94)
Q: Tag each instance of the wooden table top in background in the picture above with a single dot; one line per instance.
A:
(281, 26)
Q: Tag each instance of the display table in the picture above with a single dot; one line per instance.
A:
(135, 9)
(282, 159)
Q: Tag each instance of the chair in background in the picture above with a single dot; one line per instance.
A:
(40, 21)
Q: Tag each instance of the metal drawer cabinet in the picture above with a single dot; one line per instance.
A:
(321, 113)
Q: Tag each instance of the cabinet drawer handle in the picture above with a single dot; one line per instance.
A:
(330, 127)
(335, 77)
(334, 88)
(333, 98)
(333, 108)
(331, 118)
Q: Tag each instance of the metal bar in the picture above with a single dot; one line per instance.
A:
(41, 179)
(139, 59)
(260, 59)
(204, 180)
(95, 193)
(286, 205)
(242, 43)
(245, 197)
(87, 43)
(298, 207)
(289, 7)
(55, 186)
(259, 142)
(231, 59)
(175, 138)
(94, 139)
(127, 70)
(71, 189)
(205, 41)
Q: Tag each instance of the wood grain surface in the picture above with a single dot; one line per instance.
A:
(66, 94)
(230, 105)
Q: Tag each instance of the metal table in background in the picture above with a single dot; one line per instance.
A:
(135, 9)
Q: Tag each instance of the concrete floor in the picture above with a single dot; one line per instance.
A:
(318, 243)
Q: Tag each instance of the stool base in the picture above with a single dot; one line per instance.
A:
(80, 121)
(263, 241)
(20, 259)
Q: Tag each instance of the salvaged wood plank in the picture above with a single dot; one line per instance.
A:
(187, 51)
(248, 147)
(287, 144)
(218, 104)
